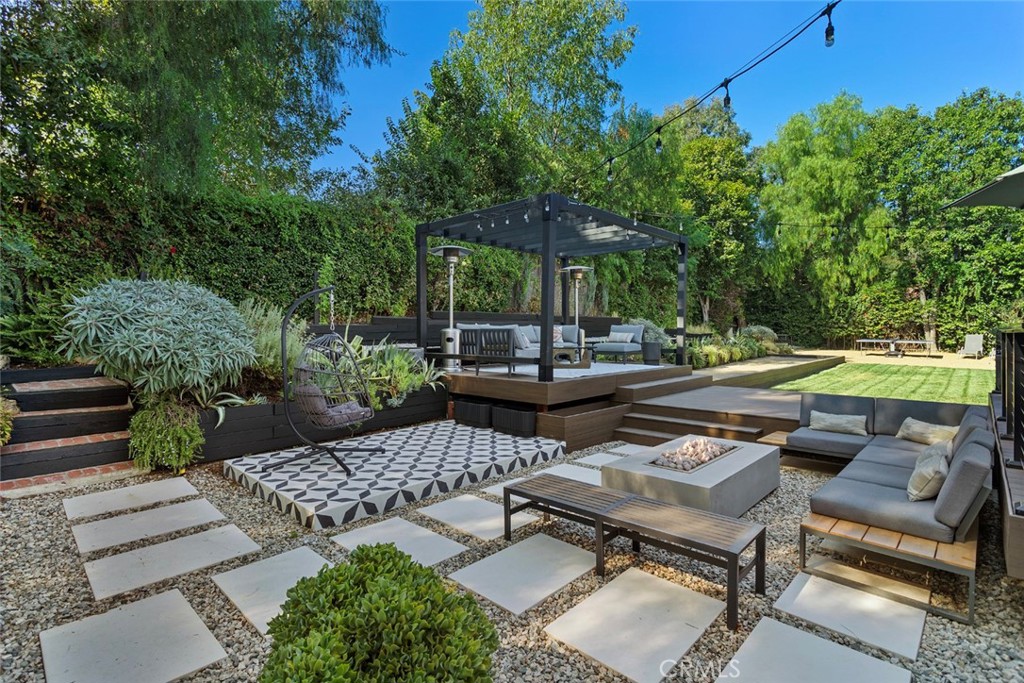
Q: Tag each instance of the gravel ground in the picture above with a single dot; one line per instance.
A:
(44, 585)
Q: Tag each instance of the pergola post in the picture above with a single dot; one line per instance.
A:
(563, 263)
(546, 370)
(681, 302)
(421, 285)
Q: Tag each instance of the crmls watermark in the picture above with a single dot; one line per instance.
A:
(709, 668)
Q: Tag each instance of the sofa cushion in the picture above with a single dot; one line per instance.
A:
(611, 347)
(620, 337)
(532, 352)
(969, 472)
(942, 448)
(531, 332)
(983, 438)
(887, 441)
(928, 476)
(913, 429)
(841, 424)
(888, 456)
(827, 443)
(967, 427)
(636, 330)
(571, 334)
(891, 412)
(833, 403)
(882, 506)
(894, 476)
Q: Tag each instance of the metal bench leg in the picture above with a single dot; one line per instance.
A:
(759, 558)
(599, 546)
(732, 606)
(803, 548)
(970, 599)
(508, 515)
(636, 545)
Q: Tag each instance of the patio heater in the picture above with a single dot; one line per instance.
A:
(450, 335)
(576, 274)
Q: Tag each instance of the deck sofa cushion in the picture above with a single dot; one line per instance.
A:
(614, 347)
(967, 427)
(840, 424)
(920, 431)
(882, 506)
(971, 468)
(531, 332)
(842, 405)
(888, 456)
(929, 475)
(891, 412)
(636, 330)
(895, 476)
(570, 334)
(887, 441)
(829, 443)
(982, 437)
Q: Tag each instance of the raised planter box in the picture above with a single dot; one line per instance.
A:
(583, 425)
(264, 428)
(514, 421)
(472, 413)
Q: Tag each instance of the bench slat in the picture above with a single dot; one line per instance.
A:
(915, 545)
(963, 554)
(885, 538)
(818, 522)
(848, 529)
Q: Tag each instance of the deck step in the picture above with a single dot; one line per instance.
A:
(680, 426)
(630, 393)
(644, 437)
(41, 425)
(63, 394)
(46, 456)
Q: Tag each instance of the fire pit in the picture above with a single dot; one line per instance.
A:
(692, 455)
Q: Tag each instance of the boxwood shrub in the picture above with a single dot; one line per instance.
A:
(379, 618)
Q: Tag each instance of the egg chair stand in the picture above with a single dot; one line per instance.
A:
(328, 387)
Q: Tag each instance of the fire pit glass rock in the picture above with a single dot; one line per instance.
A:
(692, 454)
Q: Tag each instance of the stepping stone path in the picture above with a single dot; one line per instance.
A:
(117, 500)
(475, 516)
(499, 489)
(127, 571)
(878, 621)
(259, 589)
(154, 640)
(575, 472)
(423, 545)
(777, 653)
(113, 531)
(628, 449)
(525, 574)
(637, 624)
(599, 459)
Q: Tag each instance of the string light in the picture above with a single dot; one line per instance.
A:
(506, 220)
(657, 143)
(763, 56)
(479, 227)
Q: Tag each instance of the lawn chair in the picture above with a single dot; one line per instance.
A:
(974, 345)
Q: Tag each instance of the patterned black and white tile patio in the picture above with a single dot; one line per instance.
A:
(418, 462)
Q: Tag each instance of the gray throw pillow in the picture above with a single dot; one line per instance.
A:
(943, 448)
(924, 432)
(620, 337)
(841, 424)
(529, 334)
(928, 476)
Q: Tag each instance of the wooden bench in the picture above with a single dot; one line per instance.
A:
(705, 536)
(958, 557)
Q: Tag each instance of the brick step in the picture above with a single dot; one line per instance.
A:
(630, 393)
(677, 427)
(62, 394)
(59, 455)
(41, 425)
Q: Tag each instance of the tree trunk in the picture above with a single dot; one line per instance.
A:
(928, 319)
(705, 307)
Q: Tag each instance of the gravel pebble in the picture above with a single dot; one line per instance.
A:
(44, 585)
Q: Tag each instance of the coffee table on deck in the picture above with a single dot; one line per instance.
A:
(705, 536)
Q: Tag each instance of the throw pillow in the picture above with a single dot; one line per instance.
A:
(521, 340)
(943, 448)
(928, 477)
(557, 334)
(841, 424)
(531, 333)
(620, 337)
(924, 432)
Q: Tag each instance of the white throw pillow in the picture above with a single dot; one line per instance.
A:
(840, 424)
(943, 448)
(925, 432)
(620, 337)
(929, 475)
(557, 334)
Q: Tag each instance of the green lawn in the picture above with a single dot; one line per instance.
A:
(949, 385)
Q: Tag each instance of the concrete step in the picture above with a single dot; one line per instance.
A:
(63, 394)
(644, 437)
(33, 458)
(40, 425)
(681, 426)
(630, 393)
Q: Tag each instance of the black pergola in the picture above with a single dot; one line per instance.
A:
(558, 229)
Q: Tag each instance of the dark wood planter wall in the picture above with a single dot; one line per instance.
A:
(263, 428)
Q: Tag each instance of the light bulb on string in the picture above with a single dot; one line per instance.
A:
(610, 176)
(727, 100)
(830, 30)
(657, 142)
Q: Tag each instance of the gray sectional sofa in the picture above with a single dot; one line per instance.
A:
(872, 488)
(524, 340)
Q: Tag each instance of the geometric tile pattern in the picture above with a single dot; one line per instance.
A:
(778, 653)
(154, 640)
(418, 462)
(527, 573)
(637, 624)
(870, 618)
(259, 589)
(423, 545)
(475, 516)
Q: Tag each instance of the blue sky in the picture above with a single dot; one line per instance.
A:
(889, 53)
